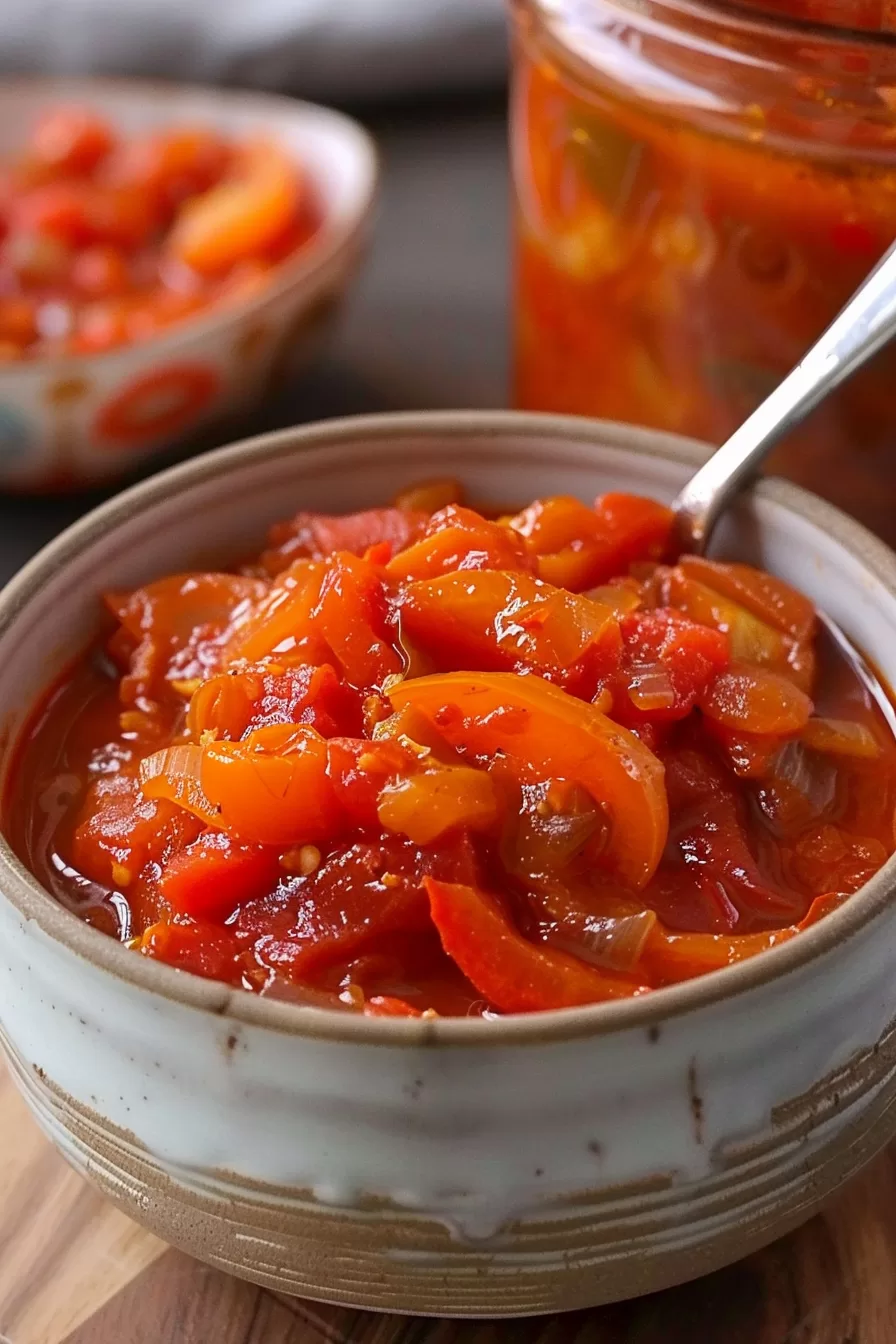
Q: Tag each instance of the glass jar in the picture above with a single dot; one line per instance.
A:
(698, 191)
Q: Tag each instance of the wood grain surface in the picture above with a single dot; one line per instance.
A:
(74, 1270)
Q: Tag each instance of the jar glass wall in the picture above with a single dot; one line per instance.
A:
(698, 192)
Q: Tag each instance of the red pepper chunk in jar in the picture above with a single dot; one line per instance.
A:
(420, 760)
(107, 239)
(697, 196)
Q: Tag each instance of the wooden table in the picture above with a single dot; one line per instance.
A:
(425, 327)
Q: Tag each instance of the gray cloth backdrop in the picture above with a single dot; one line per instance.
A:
(341, 49)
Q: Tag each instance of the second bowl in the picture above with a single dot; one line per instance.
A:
(85, 419)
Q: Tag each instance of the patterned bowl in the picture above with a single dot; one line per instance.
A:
(84, 419)
(455, 1167)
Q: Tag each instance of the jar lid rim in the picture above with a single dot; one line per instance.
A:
(734, 14)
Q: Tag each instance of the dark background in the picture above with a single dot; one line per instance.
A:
(426, 323)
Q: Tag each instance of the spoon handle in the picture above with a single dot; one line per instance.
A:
(864, 325)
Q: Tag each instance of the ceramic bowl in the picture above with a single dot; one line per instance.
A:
(456, 1167)
(84, 419)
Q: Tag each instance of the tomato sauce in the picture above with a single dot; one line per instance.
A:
(420, 760)
(106, 240)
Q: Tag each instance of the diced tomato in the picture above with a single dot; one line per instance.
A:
(351, 615)
(214, 875)
(317, 536)
(121, 830)
(360, 893)
(359, 771)
(119, 217)
(60, 209)
(379, 554)
(172, 164)
(202, 947)
(668, 661)
(180, 624)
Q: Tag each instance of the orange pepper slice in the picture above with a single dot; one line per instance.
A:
(754, 700)
(670, 957)
(458, 538)
(500, 619)
(271, 788)
(577, 547)
(242, 215)
(545, 733)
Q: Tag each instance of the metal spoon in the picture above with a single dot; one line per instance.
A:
(865, 325)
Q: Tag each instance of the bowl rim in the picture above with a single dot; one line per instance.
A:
(31, 900)
(319, 252)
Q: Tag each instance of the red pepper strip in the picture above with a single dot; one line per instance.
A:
(671, 957)
(215, 874)
(515, 976)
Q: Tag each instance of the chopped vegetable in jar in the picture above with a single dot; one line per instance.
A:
(698, 193)
(419, 760)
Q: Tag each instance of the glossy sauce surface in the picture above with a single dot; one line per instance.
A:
(419, 759)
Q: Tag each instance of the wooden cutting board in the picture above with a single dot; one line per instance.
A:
(74, 1270)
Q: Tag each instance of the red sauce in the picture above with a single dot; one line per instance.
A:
(106, 240)
(417, 759)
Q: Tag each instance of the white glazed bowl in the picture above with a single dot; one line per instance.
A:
(459, 1167)
(88, 418)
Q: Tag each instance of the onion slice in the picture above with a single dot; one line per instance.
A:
(174, 773)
